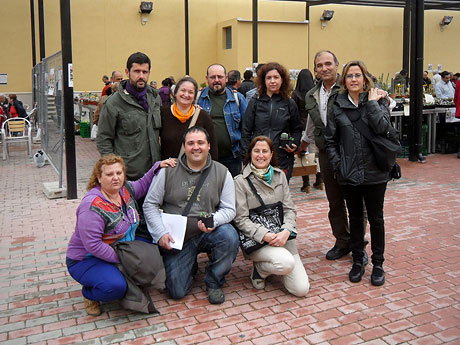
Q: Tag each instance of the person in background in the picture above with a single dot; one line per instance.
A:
(226, 109)
(97, 112)
(171, 192)
(107, 213)
(426, 81)
(253, 92)
(454, 78)
(436, 78)
(402, 79)
(354, 163)
(165, 92)
(273, 112)
(172, 84)
(303, 85)
(444, 88)
(176, 119)
(15, 107)
(116, 77)
(234, 79)
(248, 82)
(105, 80)
(153, 84)
(279, 256)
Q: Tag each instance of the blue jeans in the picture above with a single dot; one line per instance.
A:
(180, 266)
(101, 280)
(233, 164)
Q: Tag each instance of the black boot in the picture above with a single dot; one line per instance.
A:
(378, 275)
(357, 271)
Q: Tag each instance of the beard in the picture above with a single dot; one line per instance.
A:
(136, 84)
(217, 89)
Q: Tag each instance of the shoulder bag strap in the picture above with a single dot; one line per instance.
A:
(254, 190)
(235, 94)
(195, 192)
(192, 123)
(361, 126)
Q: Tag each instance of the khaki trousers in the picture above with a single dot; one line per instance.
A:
(283, 261)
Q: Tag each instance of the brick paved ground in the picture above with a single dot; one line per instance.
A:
(419, 304)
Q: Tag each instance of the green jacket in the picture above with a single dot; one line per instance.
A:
(312, 108)
(127, 130)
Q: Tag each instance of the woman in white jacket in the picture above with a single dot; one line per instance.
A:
(279, 255)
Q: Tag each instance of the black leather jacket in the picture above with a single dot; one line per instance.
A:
(271, 116)
(350, 153)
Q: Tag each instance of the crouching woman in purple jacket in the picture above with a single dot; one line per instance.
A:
(107, 213)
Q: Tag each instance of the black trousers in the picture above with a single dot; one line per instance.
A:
(373, 197)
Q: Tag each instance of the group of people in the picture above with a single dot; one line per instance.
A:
(11, 107)
(212, 156)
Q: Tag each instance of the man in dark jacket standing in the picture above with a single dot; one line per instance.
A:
(248, 82)
(130, 122)
(318, 103)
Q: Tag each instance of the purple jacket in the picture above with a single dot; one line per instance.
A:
(99, 220)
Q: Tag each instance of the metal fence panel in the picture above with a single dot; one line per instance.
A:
(50, 111)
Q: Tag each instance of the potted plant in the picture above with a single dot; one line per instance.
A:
(207, 219)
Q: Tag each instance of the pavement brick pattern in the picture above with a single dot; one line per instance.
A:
(419, 304)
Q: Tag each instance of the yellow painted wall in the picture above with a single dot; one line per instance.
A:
(105, 32)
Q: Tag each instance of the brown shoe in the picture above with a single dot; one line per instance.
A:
(92, 307)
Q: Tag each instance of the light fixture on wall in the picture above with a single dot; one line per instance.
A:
(445, 21)
(145, 8)
(326, 16)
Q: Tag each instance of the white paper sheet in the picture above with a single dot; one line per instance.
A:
(175, 224)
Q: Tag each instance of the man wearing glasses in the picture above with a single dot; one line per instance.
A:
(226, 109)
(318, 102)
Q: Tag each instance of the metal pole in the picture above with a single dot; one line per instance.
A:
(66, 47)
(187, 40)
(41, 29)
(307, 17)
(255, 24)
(416, 82)
(32, 32)
(406, 36)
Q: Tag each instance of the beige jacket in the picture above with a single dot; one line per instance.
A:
(278, 190)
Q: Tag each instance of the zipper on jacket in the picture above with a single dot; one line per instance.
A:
(270, 119)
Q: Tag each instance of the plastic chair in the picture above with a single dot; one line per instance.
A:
(16, 130)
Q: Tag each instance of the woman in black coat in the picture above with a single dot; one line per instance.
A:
(354, 163)
(272, 113)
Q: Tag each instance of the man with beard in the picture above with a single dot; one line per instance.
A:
(130, 122)
(226, 109)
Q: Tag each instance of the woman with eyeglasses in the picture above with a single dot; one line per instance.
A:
(107, 213)
(273, 113)
(354, 163)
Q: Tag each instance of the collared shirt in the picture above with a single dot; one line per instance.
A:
(444, 90)
(308, 134)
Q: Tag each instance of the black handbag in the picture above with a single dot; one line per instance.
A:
(271, 216)
(386, 148)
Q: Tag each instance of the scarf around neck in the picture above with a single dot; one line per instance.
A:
(179, 115)
(264, 174)
(141, 96)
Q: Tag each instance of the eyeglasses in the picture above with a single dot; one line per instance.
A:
(216, 77)
(356, 76)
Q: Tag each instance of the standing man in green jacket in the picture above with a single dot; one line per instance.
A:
(318, 102)
(130, 122)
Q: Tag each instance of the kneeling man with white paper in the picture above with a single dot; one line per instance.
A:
(198, 202)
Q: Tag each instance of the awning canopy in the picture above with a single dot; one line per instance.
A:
(428, 4)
